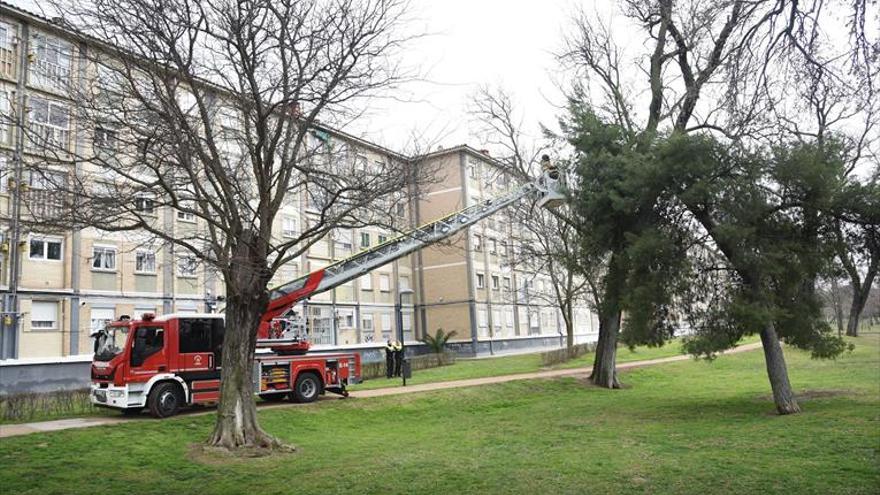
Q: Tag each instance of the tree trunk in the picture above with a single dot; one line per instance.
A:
(247, 298)
(568, 316)
(604, 364)
(861, 292)
(777, 372)
(837, 305)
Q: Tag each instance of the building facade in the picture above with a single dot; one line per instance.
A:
(70, 283)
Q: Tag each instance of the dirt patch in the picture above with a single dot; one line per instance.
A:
(217, 456)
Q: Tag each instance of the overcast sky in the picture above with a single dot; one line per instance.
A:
(471, 43)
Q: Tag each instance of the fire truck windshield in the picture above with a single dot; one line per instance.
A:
(110, 341)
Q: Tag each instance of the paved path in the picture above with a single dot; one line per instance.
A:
(65, 424)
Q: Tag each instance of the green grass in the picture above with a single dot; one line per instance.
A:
(524, 363)
(684, 427)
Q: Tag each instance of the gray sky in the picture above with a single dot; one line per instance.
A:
(473, 43)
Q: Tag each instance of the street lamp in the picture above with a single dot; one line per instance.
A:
(401, 339)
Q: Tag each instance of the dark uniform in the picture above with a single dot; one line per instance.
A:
(398, 357)
(389, 359)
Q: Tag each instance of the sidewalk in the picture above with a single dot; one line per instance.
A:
(65, 424)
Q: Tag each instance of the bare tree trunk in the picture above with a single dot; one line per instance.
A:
(568, 316)
(777, 372)
(247, 298)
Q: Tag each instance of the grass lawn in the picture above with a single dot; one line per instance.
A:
(686, 427)
(524, 363)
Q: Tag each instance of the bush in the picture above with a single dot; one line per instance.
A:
(34, 406)
(557, 356)
(437, 342)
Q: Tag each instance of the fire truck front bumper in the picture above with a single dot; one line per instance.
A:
(123, 397)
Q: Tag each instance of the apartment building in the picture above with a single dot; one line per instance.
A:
(73, 282)
(472, 285)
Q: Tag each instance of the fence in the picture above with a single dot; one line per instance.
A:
(557, 356)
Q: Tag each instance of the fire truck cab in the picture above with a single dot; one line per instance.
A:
(168, 362)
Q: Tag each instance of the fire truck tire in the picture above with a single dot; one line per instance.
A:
(165, 400)
(307, 388)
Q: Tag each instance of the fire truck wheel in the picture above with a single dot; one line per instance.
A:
(165, 400)
(307, 389)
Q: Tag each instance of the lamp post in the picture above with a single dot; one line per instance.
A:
(401, 339)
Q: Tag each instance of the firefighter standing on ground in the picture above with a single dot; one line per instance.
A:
(389, 359)
(398, 357)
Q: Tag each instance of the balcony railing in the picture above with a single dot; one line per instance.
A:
(48, 138)
(50, 75)
(43, 203)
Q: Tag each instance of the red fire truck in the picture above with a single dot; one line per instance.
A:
(167, 362)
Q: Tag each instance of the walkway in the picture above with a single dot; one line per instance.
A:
(65, 424)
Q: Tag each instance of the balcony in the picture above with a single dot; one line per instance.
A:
(46, 138)
(42, 204)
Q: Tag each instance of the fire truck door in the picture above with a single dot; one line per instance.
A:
(196, 350)
(148, 354)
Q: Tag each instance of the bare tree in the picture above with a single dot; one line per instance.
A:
(218, 111)
(547, 241)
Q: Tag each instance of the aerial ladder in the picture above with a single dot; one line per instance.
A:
(284, 330)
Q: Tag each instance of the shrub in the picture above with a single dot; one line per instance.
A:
(437, 342)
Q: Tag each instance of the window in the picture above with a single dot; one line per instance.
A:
(482, 318)
(367, 282)
(382, 238)
(187, 216)
(50, 65)
(496, 319)
(49, 122)
(481, 281)
(495, 282)
(100, 317)
(105, 139)
(493, 246)
(5, 176)
(345, 317)
(44, 315)
(361, 163)
(504, 251)
(367, 322)
(386, 322)
(478, 243)
(147, 341)
(365, 239)
(145, 262)
(289, 226)
(42, 248)
(104, 258)
(186, 266)
(473, 173)
(384, 282)
(506, 283)
(195, 335)
(403, 282)
(342, 240)
(7, 36)
(5, 117)
(145, 205)
(401, 208)
(45, 180)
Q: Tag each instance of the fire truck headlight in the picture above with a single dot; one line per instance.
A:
(116, 394)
